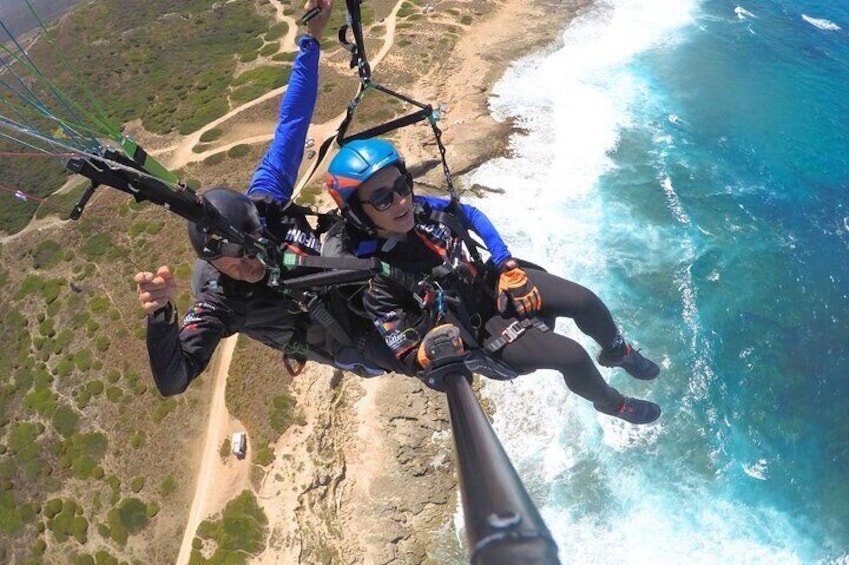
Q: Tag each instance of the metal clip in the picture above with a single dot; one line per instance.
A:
(512, 332)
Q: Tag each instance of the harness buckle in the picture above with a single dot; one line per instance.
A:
(512, 332)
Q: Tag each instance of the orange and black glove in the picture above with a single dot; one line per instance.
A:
(514, 286)
(440, 342)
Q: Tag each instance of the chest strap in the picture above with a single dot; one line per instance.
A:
(513, 332)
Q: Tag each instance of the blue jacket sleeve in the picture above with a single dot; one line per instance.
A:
(278, 170)
(479, 223)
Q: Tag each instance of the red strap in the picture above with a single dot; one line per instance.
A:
(295, 370)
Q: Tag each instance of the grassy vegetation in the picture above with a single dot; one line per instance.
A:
(165, 63)
(238, 534)
(257, 392)
(75, 412)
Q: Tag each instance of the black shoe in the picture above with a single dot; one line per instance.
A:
(634, 410)
(634, 364)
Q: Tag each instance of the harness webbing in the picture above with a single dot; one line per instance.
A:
(513, 332)
(359, 61)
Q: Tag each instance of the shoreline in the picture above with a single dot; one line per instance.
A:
(464, 83)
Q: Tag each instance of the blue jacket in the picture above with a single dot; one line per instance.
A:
(278, 170)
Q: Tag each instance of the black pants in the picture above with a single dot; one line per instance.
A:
(536, 349)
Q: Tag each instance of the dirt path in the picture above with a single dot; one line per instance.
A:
(215, 433)
(182, 153)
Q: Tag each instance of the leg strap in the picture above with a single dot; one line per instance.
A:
(513, 332)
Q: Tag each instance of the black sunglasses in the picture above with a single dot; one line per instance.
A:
(382, 198)
(217, 247)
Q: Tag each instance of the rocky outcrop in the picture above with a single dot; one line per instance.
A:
(378, 485)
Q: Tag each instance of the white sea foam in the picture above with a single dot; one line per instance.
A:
(573, 103)
(743, 13)
(757, 470)
(821, 23)
(674, 202)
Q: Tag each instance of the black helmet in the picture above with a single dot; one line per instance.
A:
(239, 211)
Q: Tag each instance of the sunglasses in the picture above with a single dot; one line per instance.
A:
(382, 198)
(215, 248)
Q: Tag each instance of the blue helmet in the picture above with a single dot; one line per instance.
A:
(356, 162)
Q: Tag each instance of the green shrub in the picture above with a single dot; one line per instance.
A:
(83, 467)
(163, 409)
(82, 452)
(137, 441)
(50, 291)
(238, 151)
(62, 341)
(276, 31)
(97, 245)
(84, 559)
(214, 159)
(82, 360)
(269, 49)
(98, 304)
(102, 343)
(114, 393)
(79, 529)
(211, 135)
(31, 284)
(47, 254)
(52, 507)
(132, 515)
(119, 534)
(41, 400)
(65, 421)
(46, 328)
(282, 411)
(137, 229)
(264, 456)
(136, 484)
(103, 558)
(94, 388)
(285, 57)
(167, 486)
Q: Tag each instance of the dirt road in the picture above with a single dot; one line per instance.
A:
(215, 433)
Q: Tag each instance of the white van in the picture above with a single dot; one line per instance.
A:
(239, 444)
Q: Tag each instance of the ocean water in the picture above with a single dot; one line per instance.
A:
(689, 161)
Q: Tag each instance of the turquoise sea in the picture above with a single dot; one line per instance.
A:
(689, 161)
